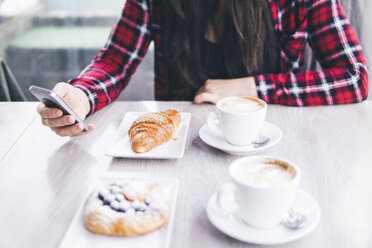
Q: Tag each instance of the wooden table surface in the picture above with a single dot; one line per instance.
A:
(44, 178)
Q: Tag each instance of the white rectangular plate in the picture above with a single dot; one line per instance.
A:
(78, 236)
(169, 150)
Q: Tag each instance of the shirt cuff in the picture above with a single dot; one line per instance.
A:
(265, 87)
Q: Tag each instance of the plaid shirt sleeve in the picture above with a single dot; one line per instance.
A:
(111, 70)
(344, 76)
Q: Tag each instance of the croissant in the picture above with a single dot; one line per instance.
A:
(153, 129)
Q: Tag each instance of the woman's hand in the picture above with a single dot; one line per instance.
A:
(216, 89)
(63, 125)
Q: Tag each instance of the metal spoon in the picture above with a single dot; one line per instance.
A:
(294, 220)
(261, 141)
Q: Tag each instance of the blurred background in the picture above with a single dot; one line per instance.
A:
(48, 41)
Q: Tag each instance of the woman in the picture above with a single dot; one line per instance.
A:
(206, 50)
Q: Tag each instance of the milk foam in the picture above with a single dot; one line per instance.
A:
(263, 173)
(241, 105)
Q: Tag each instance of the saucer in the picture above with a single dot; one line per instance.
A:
(216, 140)
(228, 222)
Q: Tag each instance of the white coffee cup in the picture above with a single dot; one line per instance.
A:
(239, 118)
(264, 188)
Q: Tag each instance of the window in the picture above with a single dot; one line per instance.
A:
(49, 41)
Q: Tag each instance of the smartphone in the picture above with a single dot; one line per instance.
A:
(52, 100)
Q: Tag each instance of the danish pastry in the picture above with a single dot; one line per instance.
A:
(126, 209)
(153, 129)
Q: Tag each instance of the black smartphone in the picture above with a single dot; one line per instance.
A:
(52, 100)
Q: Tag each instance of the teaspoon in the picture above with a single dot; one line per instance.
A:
(262, 141)
(294, 220)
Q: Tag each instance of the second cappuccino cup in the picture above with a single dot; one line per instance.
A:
(239, 118)
(265, 188)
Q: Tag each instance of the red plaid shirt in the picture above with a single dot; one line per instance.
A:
(321, 23)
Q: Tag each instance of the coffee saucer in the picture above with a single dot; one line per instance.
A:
(227, 221)
(216, 140)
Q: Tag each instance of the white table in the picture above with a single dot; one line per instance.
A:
(14, 119)
(43, 177)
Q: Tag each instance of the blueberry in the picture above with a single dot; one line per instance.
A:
(108, 199)
(136, 204)
(124, 205)
(148, 200)
(119, 197)
(139, 206)
(114, 205)
(101, 197)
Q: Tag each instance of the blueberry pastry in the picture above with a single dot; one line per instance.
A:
(126, 209)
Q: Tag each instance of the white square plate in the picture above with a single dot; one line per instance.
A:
(78, 236)
(169, 150)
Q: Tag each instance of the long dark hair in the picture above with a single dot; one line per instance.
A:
(247, 25)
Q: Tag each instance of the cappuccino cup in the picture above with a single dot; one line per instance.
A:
(239, 118)
(264, 189)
